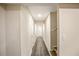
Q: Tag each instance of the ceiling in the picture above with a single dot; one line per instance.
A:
(40, 11)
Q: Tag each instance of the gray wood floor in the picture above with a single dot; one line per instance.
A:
(39, 49)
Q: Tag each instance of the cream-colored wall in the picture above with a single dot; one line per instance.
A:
(69, 32)
(16, 33)
(2, 31)
(53, 29)
(26, 26)
(13, 30)
(39, 28)
(47, 33)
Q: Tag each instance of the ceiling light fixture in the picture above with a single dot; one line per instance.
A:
(39, 15)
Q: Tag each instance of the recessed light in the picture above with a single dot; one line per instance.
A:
(39, 15)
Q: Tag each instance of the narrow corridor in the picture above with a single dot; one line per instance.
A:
(28, 29)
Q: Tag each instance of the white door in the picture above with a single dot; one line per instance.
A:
(69, 32)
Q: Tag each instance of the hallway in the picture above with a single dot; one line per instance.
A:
(22, 24)
(28, 29)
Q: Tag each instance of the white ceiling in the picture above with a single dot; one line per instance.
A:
(40, 11)
(40, 8)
